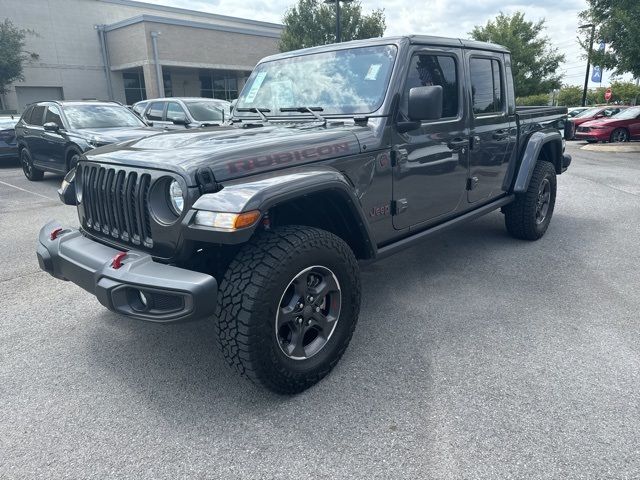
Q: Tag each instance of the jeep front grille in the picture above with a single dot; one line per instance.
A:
(115, 203)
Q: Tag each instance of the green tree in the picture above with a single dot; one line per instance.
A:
(624, 92)
(570, 96)
(618, 24)
(533, 100)
(13, 55)
(311, 22)
(534, 62)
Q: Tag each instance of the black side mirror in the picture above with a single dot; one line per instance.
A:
(425, 103)
(67, 191)
(51, 127)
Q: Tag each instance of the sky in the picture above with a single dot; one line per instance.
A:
(449, 18)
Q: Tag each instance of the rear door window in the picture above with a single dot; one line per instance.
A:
(36, 115)
(486, 85)
(175, 112)
(155, 111)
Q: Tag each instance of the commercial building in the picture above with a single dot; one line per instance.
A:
(127, 51)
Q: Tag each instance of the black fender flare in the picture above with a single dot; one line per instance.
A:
(531, 154)
(262, 192)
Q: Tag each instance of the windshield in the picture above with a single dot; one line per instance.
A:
(101, 116)
(575, 113)
(352, 81)
(627, 114)
(204, 111)
(589, 112)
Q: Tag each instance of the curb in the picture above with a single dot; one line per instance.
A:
(605, 147)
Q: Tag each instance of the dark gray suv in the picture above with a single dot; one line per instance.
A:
(51, 136)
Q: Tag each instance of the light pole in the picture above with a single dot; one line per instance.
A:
(586, 76)
(338, 27)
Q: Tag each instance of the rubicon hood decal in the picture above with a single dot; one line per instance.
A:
(233, 152)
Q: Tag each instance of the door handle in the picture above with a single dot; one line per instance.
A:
(500, 134)
(458, 143)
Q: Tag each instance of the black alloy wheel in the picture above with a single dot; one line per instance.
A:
(309, 312)
(31, 172)
(544, 200)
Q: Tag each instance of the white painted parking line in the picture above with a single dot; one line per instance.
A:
(25, 190)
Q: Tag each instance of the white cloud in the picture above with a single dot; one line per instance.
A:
(436, 17)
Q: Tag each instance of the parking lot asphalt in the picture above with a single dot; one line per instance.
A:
(476, 356)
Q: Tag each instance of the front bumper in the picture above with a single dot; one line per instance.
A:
(139, 288)
(599, 136)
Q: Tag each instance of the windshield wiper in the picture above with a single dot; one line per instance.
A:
(259, 111)
(312, 110)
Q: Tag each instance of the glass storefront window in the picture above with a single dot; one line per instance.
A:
(134, 90)
(220, 84)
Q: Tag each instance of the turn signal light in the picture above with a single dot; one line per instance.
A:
(227, 221)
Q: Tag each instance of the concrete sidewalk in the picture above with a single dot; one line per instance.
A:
(631, 147)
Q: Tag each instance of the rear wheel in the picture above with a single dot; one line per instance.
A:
(529, 215)
(619, 135)
(31, 172)
(288, 305)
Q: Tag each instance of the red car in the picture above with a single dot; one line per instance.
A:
(622, 127)
(592, 113)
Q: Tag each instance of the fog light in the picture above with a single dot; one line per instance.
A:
(226, 221)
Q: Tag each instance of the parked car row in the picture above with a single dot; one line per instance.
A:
(51, 136)
(621, 127)
(589, 114)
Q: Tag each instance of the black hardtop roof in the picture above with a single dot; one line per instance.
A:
(405, 39)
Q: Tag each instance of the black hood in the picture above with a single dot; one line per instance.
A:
(233, 151)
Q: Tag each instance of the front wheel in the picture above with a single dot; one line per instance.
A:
(31, 172)
(288, 306)
(528, 216)
(73, 161)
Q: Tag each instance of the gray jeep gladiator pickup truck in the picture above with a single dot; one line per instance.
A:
(335, 155)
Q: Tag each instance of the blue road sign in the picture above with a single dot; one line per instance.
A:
(596, 76)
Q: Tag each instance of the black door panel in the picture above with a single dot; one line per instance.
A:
(491, 137)
(431, 169)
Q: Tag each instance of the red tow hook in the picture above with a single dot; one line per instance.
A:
(116, 263)
(55, 232)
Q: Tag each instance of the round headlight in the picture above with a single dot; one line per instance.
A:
(176, 198)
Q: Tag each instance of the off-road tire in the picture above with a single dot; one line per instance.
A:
(521, 215)
(32, 173)
(249, 301)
